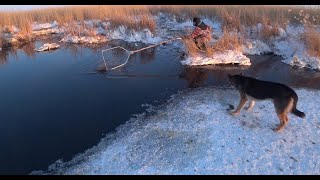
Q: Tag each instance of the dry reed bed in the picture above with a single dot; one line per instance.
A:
(138, 17)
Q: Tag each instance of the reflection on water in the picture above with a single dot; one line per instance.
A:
(4, 57)
(195, 77)
(75, 50)
(146, 56)
(28, 49)
(267, 67)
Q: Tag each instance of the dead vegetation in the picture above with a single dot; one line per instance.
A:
(229, 41)
(312, 42)
(119, 15)
(234, 18)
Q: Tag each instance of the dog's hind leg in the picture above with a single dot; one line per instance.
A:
(282, 118)
(283, 106)
(250, 107)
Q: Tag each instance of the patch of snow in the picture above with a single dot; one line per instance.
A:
(304, 61)
(48, 47)
(89, 23)
(295, 31)
(194, 134)
(54, 24)
(6, 35)
(225, 57)
(101, 30)
(216, 27)
(93, 23)
(15, 29)
(255, 47)
(259, 27)
(254, 32)
(105, 24)
(282, 33)
(57, 30)
(144, 36)
(84, 39)
(37, 27)
(185, 25)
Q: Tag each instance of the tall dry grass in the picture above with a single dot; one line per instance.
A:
(312, 42)
(118, 15)
(240, 14)
(229, 41)
(191, 47)
(269, 29)
(139, 17)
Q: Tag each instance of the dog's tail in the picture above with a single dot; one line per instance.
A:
(294, 109)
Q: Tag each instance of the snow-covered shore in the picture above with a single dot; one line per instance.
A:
(226, 57)
(194, 134)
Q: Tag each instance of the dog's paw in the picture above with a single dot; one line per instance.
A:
(234, 113)
(275, 129)
(278, 129)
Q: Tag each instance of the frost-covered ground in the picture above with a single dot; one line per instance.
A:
(48, 47)
(287, 44)
(226, 57)
(194, 134)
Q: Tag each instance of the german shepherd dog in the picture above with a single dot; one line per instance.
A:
(284, 98)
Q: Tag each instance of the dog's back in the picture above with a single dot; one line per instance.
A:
(262, 90)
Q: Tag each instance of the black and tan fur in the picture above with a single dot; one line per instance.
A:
(284, 98)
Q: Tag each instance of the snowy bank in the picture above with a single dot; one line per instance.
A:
(294, 53)
(225, 57)
(255, 47)
(46, 28)
(83, 39)
(194, 134)
(289, 44)
(40, 26)
(125, 34)
(48, 47)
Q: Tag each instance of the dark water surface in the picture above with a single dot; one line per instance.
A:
(54, 105)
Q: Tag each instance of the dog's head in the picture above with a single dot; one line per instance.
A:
(235, 80)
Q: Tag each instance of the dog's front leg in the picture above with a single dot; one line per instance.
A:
(242, 102)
